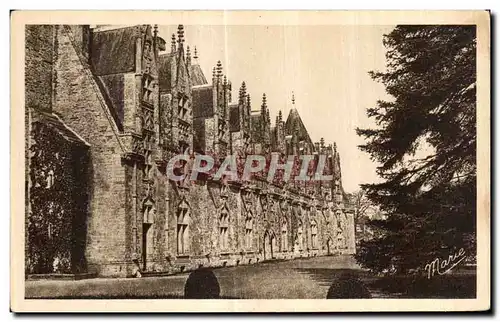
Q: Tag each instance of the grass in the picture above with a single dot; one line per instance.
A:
(295, 279)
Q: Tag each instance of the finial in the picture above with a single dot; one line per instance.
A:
(173, 46)
(243, 92)
(248, 100)
(180, 35)
(195, 53)
(335, 146)
(155, 30)
(219, 68)
(225, 80)
(188, 56)
(263, 108)
(293, 98)
(280, 116)
(213, 72)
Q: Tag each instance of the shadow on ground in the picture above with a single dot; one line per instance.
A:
(452, 286)
(297, 279)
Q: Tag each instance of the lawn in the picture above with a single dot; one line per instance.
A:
(295, 279)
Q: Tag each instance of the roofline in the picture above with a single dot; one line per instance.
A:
(201, 86)
(71, 130)
(113, 27)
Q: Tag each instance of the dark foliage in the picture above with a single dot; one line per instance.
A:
(425, 144)
(56, 224)
(440, 286)
(348, 286)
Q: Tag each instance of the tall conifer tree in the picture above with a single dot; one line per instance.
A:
(425, 144)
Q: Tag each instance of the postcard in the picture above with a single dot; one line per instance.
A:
(250, 161)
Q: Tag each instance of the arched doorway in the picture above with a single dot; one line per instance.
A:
(269, 243)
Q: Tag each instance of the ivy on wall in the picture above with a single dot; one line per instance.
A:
(58, 197)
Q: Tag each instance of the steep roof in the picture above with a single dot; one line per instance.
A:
(112, 87)
(294, 126)
(182, 79)
(197, 76)
(234, 117)
(199, 137)
(164, 72)
(53, 122)
(203, 101)
(274, 134)
(256, 127)
(113, 51)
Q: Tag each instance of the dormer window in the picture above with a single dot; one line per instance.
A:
(182, 108)
(147, 57)
(222, 129)
(147, 89)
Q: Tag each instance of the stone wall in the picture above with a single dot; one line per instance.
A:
(206, 201)
(81, 106)
(39, 50)
(39, 47)
(121, 237)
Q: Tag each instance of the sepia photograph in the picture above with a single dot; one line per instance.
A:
(252, 156)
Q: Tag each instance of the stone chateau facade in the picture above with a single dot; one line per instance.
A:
(106, 108)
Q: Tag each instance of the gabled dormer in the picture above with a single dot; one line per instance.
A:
(239, 120)
(278, 135)
(222, 90)
(298, 140)
(176, 95)
(124, 63)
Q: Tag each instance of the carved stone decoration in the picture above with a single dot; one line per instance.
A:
(137, 145)
(165, 120)
(223, 191)
(149, 210)
(263, 200)
(246, 197)
(147, 56)
(148, 119)
(149, 190)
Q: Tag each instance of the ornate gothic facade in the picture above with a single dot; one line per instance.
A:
(106, 108)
